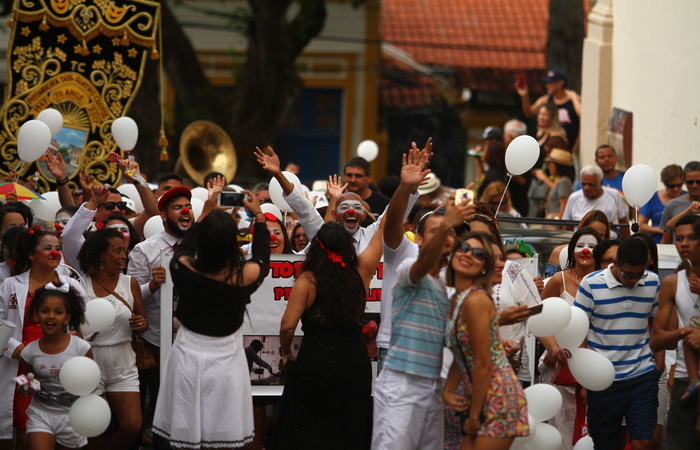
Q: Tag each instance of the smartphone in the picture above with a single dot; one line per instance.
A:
(230, 199)
(462, 195)
(522, 81)
(535, 309)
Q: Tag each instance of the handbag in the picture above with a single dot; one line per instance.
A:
(145, 359)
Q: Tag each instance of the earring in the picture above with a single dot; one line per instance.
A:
(102, 264)
(483, 272)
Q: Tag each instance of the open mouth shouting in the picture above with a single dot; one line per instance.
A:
(184, 220)
(350, 214)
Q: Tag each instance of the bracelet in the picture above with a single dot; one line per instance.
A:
(260, 214)
(62, 182)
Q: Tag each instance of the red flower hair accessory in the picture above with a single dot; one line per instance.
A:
(335, 257)
(34, 229)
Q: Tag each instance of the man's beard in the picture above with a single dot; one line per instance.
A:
(175, 228)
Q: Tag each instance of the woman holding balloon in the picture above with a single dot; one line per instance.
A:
(102, 258)
(37, 256)
(579, 264)
(495, 410)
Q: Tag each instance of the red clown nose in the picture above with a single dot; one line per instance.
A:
(273, 237)
(351, 211)
(55, 254)
(586, 251)
(185, 211)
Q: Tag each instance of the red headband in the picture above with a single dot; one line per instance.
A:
(333, 256)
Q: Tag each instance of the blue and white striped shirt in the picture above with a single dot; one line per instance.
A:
(619, 320)
(418, 315)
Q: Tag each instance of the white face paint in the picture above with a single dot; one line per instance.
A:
(62, 219)
(123, 229)
(351, 222)
(585, 241)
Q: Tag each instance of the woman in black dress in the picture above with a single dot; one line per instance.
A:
(326, 399)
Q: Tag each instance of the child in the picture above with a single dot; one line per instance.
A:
(54, 309)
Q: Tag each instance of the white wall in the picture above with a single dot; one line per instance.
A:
(656, 75)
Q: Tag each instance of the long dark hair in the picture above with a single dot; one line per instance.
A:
(217, 246)
(96, 244)
(71, 299)
(570, 259)
(340, 292)
(653, 251)
(285, 237)
(25, 245)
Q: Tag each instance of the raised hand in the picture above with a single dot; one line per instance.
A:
(413, 170)
(215, 187)
(268, 159)
(252, 203)
(87, 181)
(333, 186)
(99, 195)
(56, 165)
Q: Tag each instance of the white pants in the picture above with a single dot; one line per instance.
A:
(407, 412)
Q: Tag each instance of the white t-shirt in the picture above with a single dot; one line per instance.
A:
(46, 368)
(120, 330)
(611, 203)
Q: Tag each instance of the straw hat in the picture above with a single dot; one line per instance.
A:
(560, 156)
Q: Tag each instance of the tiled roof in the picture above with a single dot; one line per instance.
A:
(484, 43)
(505, 34)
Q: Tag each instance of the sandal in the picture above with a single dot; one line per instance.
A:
(690, 395)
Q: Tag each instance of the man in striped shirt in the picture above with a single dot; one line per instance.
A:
(408, 393)
(621, 302)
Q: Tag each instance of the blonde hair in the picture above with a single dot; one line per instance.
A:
(497, 188)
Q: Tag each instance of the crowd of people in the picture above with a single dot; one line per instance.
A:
(452, 356)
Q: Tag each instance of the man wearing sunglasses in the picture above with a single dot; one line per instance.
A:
(621, 302)
(409, 385)
(688, 204)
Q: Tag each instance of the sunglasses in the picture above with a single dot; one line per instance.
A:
(478, 253)
(674, 186)
(633, 276)
(109, 206)
(692, 182)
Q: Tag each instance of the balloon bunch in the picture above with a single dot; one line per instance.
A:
(543, 402)
(569, 326)
(90, 414)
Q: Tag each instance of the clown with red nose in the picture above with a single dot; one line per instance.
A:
(349, 212)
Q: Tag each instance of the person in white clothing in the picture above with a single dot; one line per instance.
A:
(594, 196)
(679, 293)
(37, 256)
(145, 265)
(102, 258)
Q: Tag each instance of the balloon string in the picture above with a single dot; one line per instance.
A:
(636, 215)
(18, 170)
(510, 177)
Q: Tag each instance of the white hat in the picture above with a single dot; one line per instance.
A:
(270, 208)
(433, 184)
(319, 185)
(321, 200)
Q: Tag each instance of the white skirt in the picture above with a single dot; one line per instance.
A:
(205, 400)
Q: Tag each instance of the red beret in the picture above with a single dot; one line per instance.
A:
(180, 191)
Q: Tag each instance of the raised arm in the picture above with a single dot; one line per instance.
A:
(148, 198)
(57, 167)
(413, 173)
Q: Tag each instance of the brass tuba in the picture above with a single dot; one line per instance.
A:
(205, 147)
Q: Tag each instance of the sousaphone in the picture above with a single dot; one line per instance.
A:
(205, 147)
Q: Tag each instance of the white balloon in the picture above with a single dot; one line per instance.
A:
(592, 370)
(575, 332)
(46, 209)
(125, 133)
(563, 256)
(197, 207)
(543, 401)
(522, 153)
(130, 191)
(33, 140)
(546, 438)
(368, 150)
(585, 443)
(99, 315)
(639, 185)
(533, 429)
(270, 208)
(200, 193)
(555, 316)
(153, 226)
(53, 119)
(276, 193)
(90, 415)
(79, 375)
